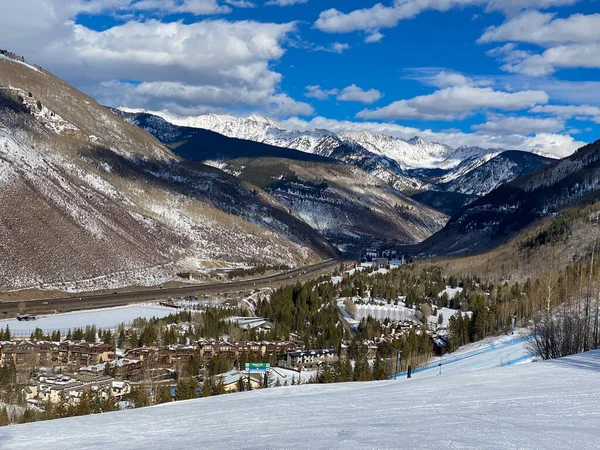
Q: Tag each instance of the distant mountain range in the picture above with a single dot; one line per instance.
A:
(408, 165)
(350, 207)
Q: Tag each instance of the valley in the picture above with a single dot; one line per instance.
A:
(194, 267)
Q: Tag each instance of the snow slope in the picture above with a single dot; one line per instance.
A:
(486, 354)
(550, 405)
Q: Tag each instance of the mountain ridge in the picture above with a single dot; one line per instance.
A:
(91, 202)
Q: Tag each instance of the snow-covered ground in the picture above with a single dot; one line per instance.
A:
(549, 405)
(446, 314)
(450, 291)
(102, 318)
(507, 350)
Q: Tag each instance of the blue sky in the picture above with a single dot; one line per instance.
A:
(516, 74)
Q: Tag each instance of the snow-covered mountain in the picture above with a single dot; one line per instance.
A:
(390, 159)
(409, 154)
(408, 165)
(483, 175)
(509, 208)
(412, 154)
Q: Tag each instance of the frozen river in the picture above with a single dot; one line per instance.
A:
(102, 318)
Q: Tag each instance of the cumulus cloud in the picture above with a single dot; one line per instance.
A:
(447, 79)
(558, 144)
(577, 112)
(210, 63)
(285, 2)
(520, 125)
(571, 42)
(371, 20)
(351, 93)
(456, 102)
(320, 94)
(548, 62)
(544, 29)
(354, 93)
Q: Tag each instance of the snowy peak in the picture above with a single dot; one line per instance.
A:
(412, 154)
(416, 141)
(535, 151)
(407, 165)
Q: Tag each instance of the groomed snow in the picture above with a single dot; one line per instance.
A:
(490, 353)
(549, 405)
(102, 318)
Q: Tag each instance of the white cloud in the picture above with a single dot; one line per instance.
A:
(544, 29)
(374, 36)
(210, 63)
(567, 110)
(520, 125)
(241, 3)
(558, 144)
(456, 102)
(577, 112)
(372, 19)
(336, 47)
(448, 79)
(285, 2)
(574, 42)
(351, 93)
(197, 7)
(355, 94)
(318, 93)
(514, 6)
(548, 62)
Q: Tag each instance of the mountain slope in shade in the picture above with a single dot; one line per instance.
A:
(497, 216)
(341, 201)
(88, 201)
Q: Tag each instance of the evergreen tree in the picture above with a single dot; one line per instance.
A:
(163, 394)
(139, 396)
(4, 419)
(187, 388)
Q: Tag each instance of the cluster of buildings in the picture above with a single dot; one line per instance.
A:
(69, 387)
(31, 354)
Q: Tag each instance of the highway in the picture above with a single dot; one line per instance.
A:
(78, 302)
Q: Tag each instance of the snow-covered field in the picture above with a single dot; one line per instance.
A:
(549, 405)
(102, 318)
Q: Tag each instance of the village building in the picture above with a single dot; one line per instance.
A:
(310, 359)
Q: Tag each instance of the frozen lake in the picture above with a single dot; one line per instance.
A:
(102, 318)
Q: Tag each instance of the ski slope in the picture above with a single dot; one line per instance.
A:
(543, 405)
(501, 351)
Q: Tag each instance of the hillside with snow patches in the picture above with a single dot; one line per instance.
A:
(543, 405)
(400, 163)
(88, 201)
